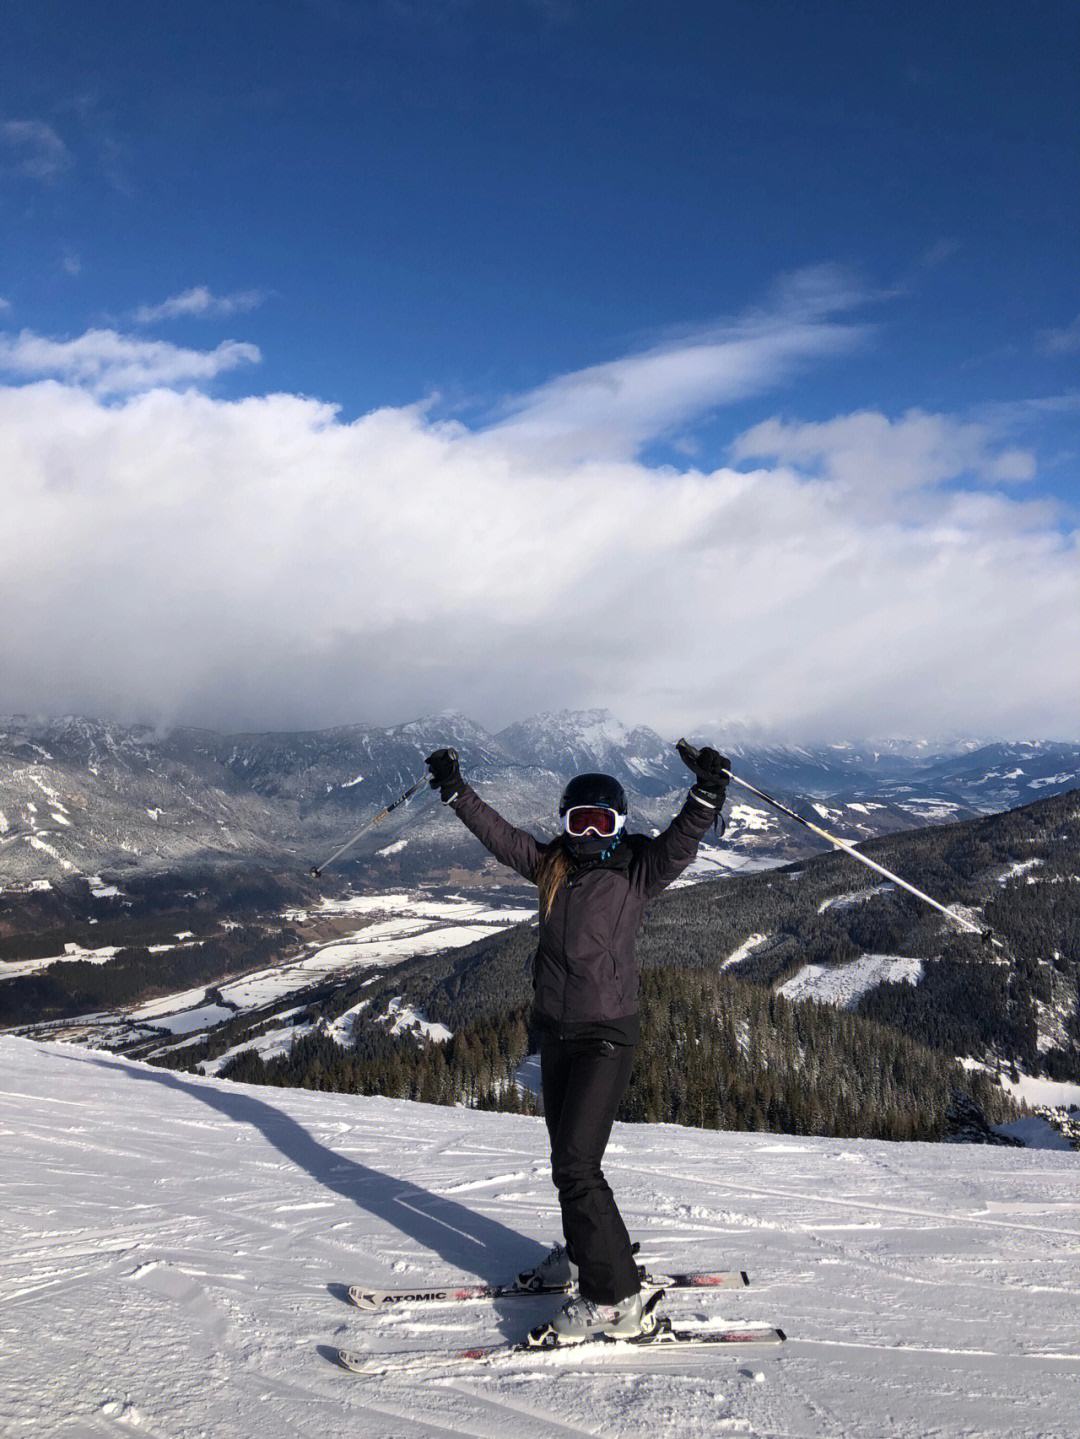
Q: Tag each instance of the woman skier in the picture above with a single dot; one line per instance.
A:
(594, 880)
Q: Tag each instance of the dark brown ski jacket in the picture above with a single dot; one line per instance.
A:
(585, 974)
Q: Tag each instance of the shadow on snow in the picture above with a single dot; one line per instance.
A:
(460, 1237)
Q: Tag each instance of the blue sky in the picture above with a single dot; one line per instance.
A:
(379, 202)
(473, 196)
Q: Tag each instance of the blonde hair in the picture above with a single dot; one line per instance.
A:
(551, 874)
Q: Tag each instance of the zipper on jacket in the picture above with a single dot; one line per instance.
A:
(565, 965)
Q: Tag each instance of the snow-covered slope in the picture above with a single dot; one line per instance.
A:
(1003, 775)
(844, 984)
(171, 1246)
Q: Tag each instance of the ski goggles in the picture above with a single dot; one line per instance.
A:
(596, 819)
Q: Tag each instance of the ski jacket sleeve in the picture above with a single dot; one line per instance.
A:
(663, 859)
(510, 845)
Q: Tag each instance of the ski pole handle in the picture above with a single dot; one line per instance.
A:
(688, 753)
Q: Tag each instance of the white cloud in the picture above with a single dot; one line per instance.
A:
(872, 455)
(1063, 341)
(111, 363)
(34, 149)
(199, 301)
(71, 263)
(613, 409)
(4, 304)
(258, 562)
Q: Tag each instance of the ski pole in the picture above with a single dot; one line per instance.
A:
(688, 752)
(316, 870)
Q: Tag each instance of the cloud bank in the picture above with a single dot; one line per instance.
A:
(259, 563)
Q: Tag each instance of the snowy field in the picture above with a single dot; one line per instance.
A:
(1035, 1090)
(714, 861)
(410, 927)
(401, 926)
(17, 969)
(171, 1248)
(845, 984)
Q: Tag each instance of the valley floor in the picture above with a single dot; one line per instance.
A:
(172, 1246)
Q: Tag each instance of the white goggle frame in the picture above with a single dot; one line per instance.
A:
(620, 821)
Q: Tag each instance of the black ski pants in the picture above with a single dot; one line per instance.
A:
(583, 1083)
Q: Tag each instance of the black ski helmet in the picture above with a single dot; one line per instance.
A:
(593, 789)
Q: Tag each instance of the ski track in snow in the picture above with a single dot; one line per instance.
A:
(173, 1247)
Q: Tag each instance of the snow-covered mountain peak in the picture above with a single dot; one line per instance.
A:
(595, 727)
(573, 741)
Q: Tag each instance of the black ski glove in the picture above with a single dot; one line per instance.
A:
(708, 766)
(445, 772)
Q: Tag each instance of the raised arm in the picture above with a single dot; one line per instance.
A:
(510, 845)
(664, 858)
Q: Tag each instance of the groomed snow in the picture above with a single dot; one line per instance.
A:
(855, 896)
(1052, 1092)
(32, 839)
(749, 817)
(171, 1248)
(927, 809)
(388, 942)
(1035, 1132)
(403, 927)
(845, 984)
(737, 955)
(169, 1004)
(99, 889)
(1019, 867)
(278, 1040)
(414, 906)
(400, 1018)
(718, 861)
(73, 953)
(204, 1017)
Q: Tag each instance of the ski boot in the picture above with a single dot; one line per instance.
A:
(580, 1320)
(555, 1272)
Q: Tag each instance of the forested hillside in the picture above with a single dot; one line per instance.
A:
(721, 1047)
(1019, 873)
(716, 1053)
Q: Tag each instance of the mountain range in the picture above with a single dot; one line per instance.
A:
(86, 799)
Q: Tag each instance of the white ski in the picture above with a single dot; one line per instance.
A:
(664, 1338)
(373, 1300)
